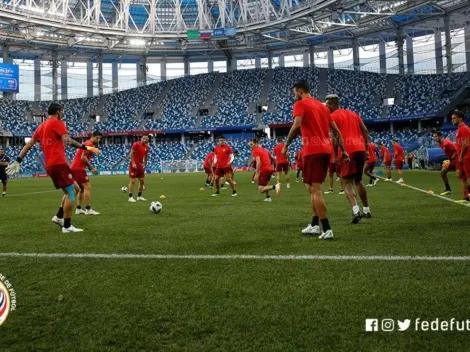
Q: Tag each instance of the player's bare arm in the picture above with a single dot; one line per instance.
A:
(258, 168)
(134, 165)
(365, 136)
(294, 131)
(73, 143)
(338, 138)
(463, 151)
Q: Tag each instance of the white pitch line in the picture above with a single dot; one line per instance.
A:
(28, 194)
(238, 257)
(426, 192)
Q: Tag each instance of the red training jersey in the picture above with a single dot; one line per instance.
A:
(77, 163)
(448, 148)
(463, 136)
(398, 151)
(280, 158)
(49, 135)
(349, 124)
(315, 127)
(385, 153)
(209, 159)
(265, 160)
(299, 156)
(372, 153)
(140, 151)
(223, 152)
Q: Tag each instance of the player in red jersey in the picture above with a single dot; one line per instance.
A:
(356, 142)
(450, 150)
(299, 164)
(282, 163)
(52, 135)
(137, 165)
(334, 167)
(399, 156)
(370, 164)
(79, 163)
(314, 122)
(208, 168)
(387, 159)
(462, 142)
(223, 160)
(264, 169)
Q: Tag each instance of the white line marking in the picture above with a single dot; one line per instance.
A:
(28, 194)
(426, 192)
(237, 256)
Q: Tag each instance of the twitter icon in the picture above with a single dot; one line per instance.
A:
(403, 325)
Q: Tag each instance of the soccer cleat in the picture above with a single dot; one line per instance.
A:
(376, 181)
(57, 221)
(288, 185)
(131, 200)
(4, 194)
(234, 194)
(462, 201)
(341, 192)
(215, 194)
(388, 180)
(267, 200)
(337, 179)
(80, 211)
(330, 191)
(369, 185)
(297, 180)
(328, 235)
(141, 199)
(92, 212)
(356, 218)
(278, 188)
(252, 181)
(234, 183)
(226, 183)
(367, 215)
(446, 193)
(311, 230)
(71, 229)
(223, 187)
(400, 181)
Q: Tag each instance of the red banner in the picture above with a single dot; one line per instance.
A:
(280, 125)
(41, 175)
(120, 133)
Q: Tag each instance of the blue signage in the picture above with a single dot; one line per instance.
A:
(9, 78)
(218, 32)
(230, 32)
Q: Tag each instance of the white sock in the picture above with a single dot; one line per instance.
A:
(356, 209)
(366, 210)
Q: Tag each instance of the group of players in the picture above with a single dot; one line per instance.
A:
(73, 180)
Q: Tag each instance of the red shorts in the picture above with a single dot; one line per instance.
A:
(300, 166)
(61, 175)
(387, 163)
(334, 167)
(354, 168)
(282, 167)
(464, 170)
(139, 172)
(399, 164)
(315, 168)
(80, 176)
(221, 172)
(208, 170)
(371, 165)
(264, 177)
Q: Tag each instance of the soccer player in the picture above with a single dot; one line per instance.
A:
(462, 141)
(314, 122)
(264, 169)
(52, 135)
(387, 160)
(299, 164)
(79, 163)
(356, 141)
(333, 168)
(450, 150)
(370, 164)
(399, 157)
(253, 166)
(223, 160)
(282, 163)
(139, 158)
(208, 163)
(4, 160)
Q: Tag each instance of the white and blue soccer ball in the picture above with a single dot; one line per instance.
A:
(156, 207)
(124, 189)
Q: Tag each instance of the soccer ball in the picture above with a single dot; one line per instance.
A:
(124, 189)
(156, 207)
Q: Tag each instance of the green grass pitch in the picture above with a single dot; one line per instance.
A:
(87, 304)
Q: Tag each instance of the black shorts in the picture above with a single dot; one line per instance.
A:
(4, 179)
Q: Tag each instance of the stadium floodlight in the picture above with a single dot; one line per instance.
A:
(137, 42)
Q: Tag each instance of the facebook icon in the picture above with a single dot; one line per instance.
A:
(372, 325)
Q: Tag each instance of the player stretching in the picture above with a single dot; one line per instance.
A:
(314, 122)
(370, 164)
(52, 135)
(223, 160)
(399, 157)
(139, 158)
(4, 160)
(387, 158)
(80, 161)
(282, 163)
(356, 141)
(264, 169)
(208, 167)
(462, 141)
(299, 164)
(450, 150)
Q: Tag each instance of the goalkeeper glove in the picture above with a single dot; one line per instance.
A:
(14, 168)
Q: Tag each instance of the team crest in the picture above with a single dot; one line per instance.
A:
(70, 176)
(5, 303)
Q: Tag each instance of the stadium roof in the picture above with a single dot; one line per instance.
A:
(79, 28)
